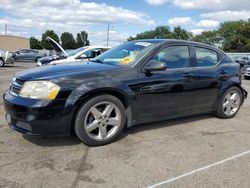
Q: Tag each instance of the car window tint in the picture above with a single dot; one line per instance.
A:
(174, 57)
(205, 57)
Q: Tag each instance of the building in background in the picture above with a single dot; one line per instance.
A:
(13, 43)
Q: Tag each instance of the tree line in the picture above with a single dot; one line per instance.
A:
(66, 40)
(231, 36)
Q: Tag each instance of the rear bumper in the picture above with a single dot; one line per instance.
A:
(35, 117)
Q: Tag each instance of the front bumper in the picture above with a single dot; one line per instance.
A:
(37, 117)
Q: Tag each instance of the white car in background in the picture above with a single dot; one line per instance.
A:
(83, 54)
(5, 57)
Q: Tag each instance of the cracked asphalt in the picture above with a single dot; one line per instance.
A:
(143, 156)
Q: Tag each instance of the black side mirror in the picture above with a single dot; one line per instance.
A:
(155, 66)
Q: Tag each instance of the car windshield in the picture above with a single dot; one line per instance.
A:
(125, 54)
(74, 52)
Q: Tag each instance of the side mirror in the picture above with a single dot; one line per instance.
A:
(155, 66)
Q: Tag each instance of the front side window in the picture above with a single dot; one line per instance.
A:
(205, 57)
(174, 57)
(93, 53)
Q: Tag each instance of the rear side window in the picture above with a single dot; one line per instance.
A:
(205, 57)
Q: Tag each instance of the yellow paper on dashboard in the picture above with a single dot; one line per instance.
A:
(126, 60)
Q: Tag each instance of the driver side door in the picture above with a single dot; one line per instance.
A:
(167, 94)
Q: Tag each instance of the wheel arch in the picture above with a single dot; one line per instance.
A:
(104, 91)
(233, 84)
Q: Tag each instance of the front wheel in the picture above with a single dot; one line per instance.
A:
(1, 62)
(230, 103)
(100, 120)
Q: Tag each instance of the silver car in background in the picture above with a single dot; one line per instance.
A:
(6, 57)
(28, 55)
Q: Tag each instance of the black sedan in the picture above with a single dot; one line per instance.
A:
(136, 82)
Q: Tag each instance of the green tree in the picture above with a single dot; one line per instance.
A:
(179, 33)
(82, 39)
(35, 44)
(158, 32)
(230, 28)
(208, 37)
(68, 41)
(49, 33)
(236, 35)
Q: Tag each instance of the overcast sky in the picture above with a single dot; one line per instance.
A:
(126, 17)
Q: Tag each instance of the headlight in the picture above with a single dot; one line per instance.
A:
(40, 90)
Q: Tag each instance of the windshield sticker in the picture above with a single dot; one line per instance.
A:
(126, 60)
(143, 44)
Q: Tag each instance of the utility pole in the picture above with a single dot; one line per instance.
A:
(6, 30)
(108, 36)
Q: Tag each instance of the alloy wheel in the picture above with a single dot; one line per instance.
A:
(102, 121)
(231, 103)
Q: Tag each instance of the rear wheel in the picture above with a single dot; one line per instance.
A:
(100, 120)
(230, 103)
(1, 62)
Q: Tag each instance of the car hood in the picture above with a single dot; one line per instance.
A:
(55, 71)
(68, 60)
(57, 47)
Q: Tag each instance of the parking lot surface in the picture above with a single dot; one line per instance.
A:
(197, 151)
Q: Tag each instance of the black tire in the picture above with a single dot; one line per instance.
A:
(37, 59)
(1, 62)
(220, 110)
(83, 112)
(247, 77)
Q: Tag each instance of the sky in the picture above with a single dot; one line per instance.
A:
(126, 17)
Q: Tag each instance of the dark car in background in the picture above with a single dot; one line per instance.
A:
(28, 55)
(137, 82)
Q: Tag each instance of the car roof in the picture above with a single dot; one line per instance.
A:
(165, 41)
(172, 41)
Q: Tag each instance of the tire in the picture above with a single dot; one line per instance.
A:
(36, 60)
(247, 77)
(1, 62)
(231, 99)
(101, 131)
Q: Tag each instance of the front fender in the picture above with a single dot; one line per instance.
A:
(89, 88)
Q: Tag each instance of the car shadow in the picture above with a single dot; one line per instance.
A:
(163, 124)
(53, 141)
(73, 140)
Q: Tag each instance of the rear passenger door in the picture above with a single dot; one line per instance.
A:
(206, 78)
